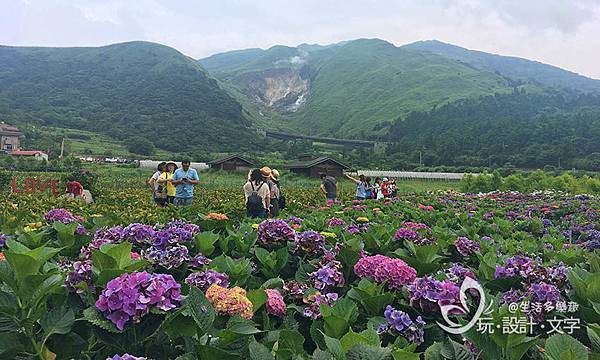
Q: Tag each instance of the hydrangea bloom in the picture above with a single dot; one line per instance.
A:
(275, 304)
(328, 275)
(139, 233)
(131, 296)
(294, 288)
(399, 322)
(466, 246)
(333, 222)
(3, 239)
(80, 271)
(384, 269)
(275, 232)
(175, 232)
(417, 233)
(230, 301)
(314, 302)
(457, 273)
(429, 294)
(61, 215)
(293, 220)
(311, 242)
(172, 257)
(540, 293)
(203, 280)
(198, 260)
(126, 357)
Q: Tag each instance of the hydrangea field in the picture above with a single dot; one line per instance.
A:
(438, 275)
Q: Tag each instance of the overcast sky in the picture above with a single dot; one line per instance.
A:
(564, 33)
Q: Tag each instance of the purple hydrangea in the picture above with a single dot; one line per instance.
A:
(293, 220)
(139, 233)
(203, 280)
(61, 215)
(399, 322)
(429, 294)
(172, 257)
(310, 242)
(466, 246)
(175, 232)
(272, 232)
(314, 301)
(79, 272)
(198, 261)
(3, 239)
(294, 288)
(126, 357)
(333, 222)
(132, 296)
(328, 275)
(457, 273)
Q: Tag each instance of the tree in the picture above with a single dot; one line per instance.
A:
(140, 145)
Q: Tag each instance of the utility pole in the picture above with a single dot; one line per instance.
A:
(62, 148)
(559, 163)
(420, 159)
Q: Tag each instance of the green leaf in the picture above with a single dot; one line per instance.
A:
(121, 253)
(205, 242)
(11, 342)
(335, 347)
(103, 261)
(257, 297)
(401, 354)
(94, 317)
(179, 325)
(201, 310)
(593, 288)
(51, 284)
(65, 233)
(368, 352)
(290, 344)
(433, 352)
(258, 351)
(8, 303)
(366, 337)
(593, 332)
(57, 321)
(22, 265)
(211, 352)
(239, 325)
(565, 347)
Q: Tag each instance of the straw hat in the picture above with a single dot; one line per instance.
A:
(275, 174)
(266, 171)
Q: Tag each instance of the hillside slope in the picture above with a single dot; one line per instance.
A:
(357, 88)
(122, 90)
(512, 67)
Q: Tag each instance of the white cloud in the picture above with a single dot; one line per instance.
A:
(559, 32)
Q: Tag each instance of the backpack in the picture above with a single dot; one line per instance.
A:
(254, 203)
(161, 190)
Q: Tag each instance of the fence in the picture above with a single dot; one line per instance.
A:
(413, 175)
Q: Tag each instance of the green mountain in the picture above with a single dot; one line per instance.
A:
(514, 68)
(135, 89)
(357, 89)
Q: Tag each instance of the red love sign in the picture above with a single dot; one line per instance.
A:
(35, 185)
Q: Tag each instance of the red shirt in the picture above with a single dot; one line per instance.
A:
(75, 188)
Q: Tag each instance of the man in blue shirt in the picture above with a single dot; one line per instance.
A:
(184, 180)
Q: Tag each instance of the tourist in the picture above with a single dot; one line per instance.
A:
(153, 182)
(377, 193)
(329, 187)
(184, 180)
(368, 188)
(275, 194)
(257, 195)
(385, 188)
(166, 178)
(74, 188)
(361, 191)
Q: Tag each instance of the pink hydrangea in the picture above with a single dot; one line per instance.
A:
(275, 304)
(384, 269)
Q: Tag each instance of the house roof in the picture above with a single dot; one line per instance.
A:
(6, 129)
(314, 162)
(28, 152)
(228, 158)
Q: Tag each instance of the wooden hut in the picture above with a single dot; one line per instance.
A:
(231, 163)
(314, 167)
